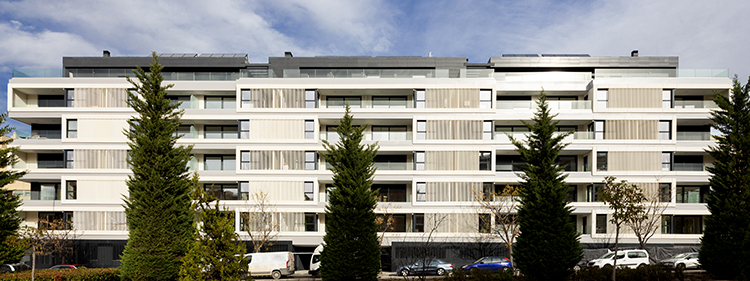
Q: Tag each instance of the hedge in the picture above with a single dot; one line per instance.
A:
(81, 274)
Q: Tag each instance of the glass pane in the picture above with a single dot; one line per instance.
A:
(419, 95)
(485, 95)
(602, 95)
(310, 95)
(48, 192)
(599, 126)
(230, 163)
(309, 125)
(213, 103)
(245, 125)
(229, 133)
(213, 132)
(666, 157)
(666, 95)
(230, 102)
(664, 126)
(213, 163)
(72, 124)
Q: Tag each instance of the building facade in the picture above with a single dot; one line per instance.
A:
(442, 125)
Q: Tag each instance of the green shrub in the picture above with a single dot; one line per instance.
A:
(81, 274)
(645, 273)
(480, 275)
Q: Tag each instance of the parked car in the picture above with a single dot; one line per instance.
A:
(275, 264)
(683, 261)
(315, 261)
(14, 267)
(426, 267)
(625, 258)
(493, 264)
(581, 264)
(67, 266)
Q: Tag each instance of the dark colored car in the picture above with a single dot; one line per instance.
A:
(14, 267)
(426, 267)
(66, 266)
(493, 264)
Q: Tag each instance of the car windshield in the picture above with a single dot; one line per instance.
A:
(607, 256)
(479, 260)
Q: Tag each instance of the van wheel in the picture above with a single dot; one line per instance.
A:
(276, 275)
(607, 266)
(404, 272)
(681, 266)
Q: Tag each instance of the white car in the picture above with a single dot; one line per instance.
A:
(625, 258)
(683, 261)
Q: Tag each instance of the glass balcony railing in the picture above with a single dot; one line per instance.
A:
(688, 167)
(514, 104)
(501, 136)
(572, 104)
(703, 73)
(37, 73)
(119, 72)
(476, 73)
(365, 73)
(694, 136)
(583, 135)
(695, 104)
(543, 76)
(393, 166)
(391, 136)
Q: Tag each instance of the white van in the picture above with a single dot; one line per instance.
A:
(315, 261)
(275, 264)
(625, 258)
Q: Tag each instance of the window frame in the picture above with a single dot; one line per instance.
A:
(311, 226)
(71, 190)
(669, 101)
(73, 131)
(223, 100)
(421, 129)
(419, 160)
(309, 195)
(602, 98)
(311, 160)
(309, 129)
(485, 102)
(488, 130)
(420, 191)
(485, 158)
(601, 166)
(668, 132)
(417, 220)
(669, 161)
(420, 98)
(70, 97)
(311, 98)
(223, 161)
(601, 229)
(69, 159)
(222, 131)
(211, 188)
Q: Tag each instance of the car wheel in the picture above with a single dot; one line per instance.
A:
(505, 269)
(404, 272)
(681, 266)
(276, 275)
(607, 266)
(642, 265)
(577, 267)
(440, 272)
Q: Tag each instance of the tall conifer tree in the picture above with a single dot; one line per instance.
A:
(725, 249)
(10, 219)
(549, 245)
(157, 206)
(352, 248)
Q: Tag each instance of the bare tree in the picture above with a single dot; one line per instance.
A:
(650, 222)
(502, 205)
(385, 220)
(625, 199)
(426, 251)
(261, 221)
(51, 237)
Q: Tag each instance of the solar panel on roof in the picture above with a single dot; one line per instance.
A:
(520, 55)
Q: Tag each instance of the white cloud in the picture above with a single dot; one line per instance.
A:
(23, 49)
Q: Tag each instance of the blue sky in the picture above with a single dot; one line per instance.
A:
(704, 34)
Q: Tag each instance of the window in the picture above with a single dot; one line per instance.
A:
(391, 192)
(485, 98)
(228, 102)
(421, 130)
(389, 133)
(184, 101)
(311, 222)
(602, 98)
(419, 160)
(488, 191)
(45, 191)
(666, 161)
(692, 194)
(220, 132)
(311, 160)
(311, 98)
(71, 190)
(244, 160)
(244, 126)
(601, 161)
(46, 131)
(246, 98)
(50, 160)
(665, 130)
(665, 192)
(70, 95)
(309, 190)
(51, 100)
(485, 161)
(594, 192)
(421, 192)
(309, 129)
(673, 224)
(418, 222)
(184, 131)
(598, 128)
(389, 102)
(68, 159)
(419, 98)
(572, 194)
(570, 162)
(487, 133)
(586, 164)
(601, 223)
(667, 99)
(485, 223)
(340, 102)
(392, 222)
(222, 191)
(331, 135)
(219, 162)
(72, 128)
(55, 220)
(244, 190)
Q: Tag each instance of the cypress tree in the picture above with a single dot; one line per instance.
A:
(549, 245)
(217, 253)
(160, 221)
(725, 249)
(352, 248)
(11, 250)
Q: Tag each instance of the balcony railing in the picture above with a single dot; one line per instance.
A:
(394, 166)
(119, 72)
(370, 104)
(391, 136)
(569, 104)
(695, 104)
(514, 104)
(694, 136)
(365, 73)
(703, 73)
(688, 166)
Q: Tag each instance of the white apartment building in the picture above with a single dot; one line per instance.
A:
(441, 123)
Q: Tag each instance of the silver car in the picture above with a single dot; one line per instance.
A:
(683, 261)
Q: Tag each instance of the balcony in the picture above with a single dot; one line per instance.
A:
(508, 104)
(688, 167)
(693, 136)
(689, 104)
(568, 104)
(119, 72)
(365, 73)
(394, 166)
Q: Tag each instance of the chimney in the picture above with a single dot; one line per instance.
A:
(105, 54)
(288, 54)
(634, 54)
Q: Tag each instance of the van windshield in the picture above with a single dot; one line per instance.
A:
(315, 258)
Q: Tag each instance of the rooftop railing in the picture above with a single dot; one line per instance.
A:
(365, 73)
(119, 73)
